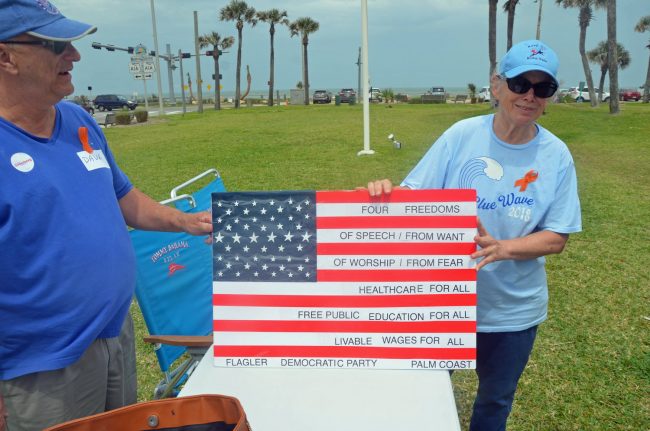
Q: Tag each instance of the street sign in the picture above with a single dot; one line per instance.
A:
(135, 67)
(143, 75)
(148, 66)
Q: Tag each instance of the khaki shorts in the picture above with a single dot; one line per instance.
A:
(104, 378)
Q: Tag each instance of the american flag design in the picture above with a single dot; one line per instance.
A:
(337, 279)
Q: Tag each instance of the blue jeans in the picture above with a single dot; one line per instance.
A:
(501, 358)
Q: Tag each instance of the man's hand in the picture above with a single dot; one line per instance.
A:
(198, 223)
(380, 187)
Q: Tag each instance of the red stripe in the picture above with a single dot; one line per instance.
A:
(361, 196)
(454, 326)
(344, 352)
(396, 248)
(404, 275)
(344, 301)
(385, 222)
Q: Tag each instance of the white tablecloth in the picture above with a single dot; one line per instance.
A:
(333, 399)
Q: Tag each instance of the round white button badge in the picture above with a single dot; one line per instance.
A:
(22, 162)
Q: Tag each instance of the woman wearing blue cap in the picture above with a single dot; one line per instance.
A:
(527, 203)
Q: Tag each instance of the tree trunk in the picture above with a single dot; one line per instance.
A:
(306, 69)
(539, 21)
(646, 87)
(612, 55)
(238, 76)
(272, 76)
(511, 23)
(585, 16)
(492, 42)
(603, 72)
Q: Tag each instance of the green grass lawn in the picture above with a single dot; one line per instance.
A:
(590, 366)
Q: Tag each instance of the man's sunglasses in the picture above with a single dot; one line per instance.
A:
(56, 46)
(521, 85)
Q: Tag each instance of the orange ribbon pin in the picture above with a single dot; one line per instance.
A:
(83, 137)
(530, 177)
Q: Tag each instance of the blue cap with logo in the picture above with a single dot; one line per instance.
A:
(529, 55)
(39, 18)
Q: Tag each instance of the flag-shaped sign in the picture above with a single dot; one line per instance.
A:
(336, 279)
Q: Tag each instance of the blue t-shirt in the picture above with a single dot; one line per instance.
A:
(67, 266)
(521, 189)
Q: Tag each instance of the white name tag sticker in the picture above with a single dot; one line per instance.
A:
(94, 160)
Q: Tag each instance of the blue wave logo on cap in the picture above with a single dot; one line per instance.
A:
(48, 7)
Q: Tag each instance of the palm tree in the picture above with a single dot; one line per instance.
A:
(509, 7)
(218, 44)
(539, 20)
(642, 26)
(492, 41)
(239, 12)
(272, 17)
(600, 57)
(613, 57)
(584, 17)
(304, 27)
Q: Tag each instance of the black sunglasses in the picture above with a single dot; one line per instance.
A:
(56, 46)
(521, 85)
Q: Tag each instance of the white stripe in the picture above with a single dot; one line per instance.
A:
(462, 208)
(380, 364)
(389, 314)
(395, 262)
(334, 288)
(396, 235)
(417, 340)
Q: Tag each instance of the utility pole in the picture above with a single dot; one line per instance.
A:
(180, 62)
(359, 73)
(199, 81)
(161, 109)
(170, 77)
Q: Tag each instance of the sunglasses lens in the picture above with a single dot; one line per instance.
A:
(59, 47)
(521, 85)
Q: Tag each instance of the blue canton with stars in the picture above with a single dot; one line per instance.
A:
(264, 236)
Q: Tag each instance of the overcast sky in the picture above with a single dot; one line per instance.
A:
(412, 43)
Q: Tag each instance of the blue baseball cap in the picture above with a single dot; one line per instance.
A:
(529, 55)
(39, 18)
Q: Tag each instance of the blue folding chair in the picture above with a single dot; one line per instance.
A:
(174, 287)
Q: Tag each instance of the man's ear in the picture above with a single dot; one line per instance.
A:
(7, 60)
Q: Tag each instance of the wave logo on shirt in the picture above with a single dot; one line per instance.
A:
(479, 167)
(173, 267)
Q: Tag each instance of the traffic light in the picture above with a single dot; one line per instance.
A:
(110, 48)
(186, 55)
(130, 50)
(96, 45)
(220, 76)
(209, 53)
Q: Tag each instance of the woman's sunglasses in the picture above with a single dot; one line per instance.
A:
(56, 46)
(521, 85)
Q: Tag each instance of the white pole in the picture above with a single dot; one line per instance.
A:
(364, 78)
(161, 109)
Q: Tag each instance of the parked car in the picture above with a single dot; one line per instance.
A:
(87, 105)
(437, 91)
(108, 102)
(375, 95)
(347, 94)
(322, 96)
(584, 95)
(484, 94)
(630, 95)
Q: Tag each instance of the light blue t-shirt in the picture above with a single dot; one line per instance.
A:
(67, 266)
(521, 189)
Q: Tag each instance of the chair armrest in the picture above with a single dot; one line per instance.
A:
(180, 340)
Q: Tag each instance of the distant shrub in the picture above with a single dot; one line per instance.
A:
(415, 100)
(141, 116)
(123, 118)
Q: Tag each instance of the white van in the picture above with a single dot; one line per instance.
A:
(484, 94)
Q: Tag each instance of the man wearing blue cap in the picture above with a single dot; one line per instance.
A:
(67, 270)
(527, 206)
